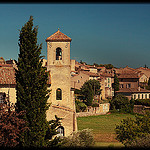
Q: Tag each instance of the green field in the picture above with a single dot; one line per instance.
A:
(103, 127)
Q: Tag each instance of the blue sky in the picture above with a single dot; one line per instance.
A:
(102, 33)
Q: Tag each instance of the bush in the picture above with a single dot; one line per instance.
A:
(81, 138)
(95, 105)
(130, 130)
(80, 106)
(142, 142)
(145, 102)
(122, 104)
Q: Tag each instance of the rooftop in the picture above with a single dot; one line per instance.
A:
(58, 37)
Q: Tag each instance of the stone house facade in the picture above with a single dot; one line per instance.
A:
(129, 84)
(7, 82)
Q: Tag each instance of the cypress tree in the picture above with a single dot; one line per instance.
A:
(116, 84)
(31, 87)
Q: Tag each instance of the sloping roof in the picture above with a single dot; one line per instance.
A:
(127, 75)
(90, 74)
(7, 74)
(133, 90)
(58, 37)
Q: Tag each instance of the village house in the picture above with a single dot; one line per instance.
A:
(129, 83)
(7, 81)
(106, 81)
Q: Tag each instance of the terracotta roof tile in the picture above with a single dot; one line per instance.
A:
(133, 90)
(7, 74)
(90, 74)
(58, 36)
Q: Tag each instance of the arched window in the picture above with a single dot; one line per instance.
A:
(58, 94)
(60, 131)
(58, 53)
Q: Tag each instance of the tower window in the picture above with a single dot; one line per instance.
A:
(58, 53)
(58, 94)
(60, 131)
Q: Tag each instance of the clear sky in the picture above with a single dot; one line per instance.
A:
(118, 34)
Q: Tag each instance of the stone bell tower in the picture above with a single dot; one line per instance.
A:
(61, 97)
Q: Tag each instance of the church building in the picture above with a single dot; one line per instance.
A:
(61, 95)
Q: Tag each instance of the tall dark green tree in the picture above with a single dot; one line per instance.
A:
(31, 86)
(116, 84)
(89, 89)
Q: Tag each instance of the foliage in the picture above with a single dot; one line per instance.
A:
(53, 125)
(31, 87)
(10, 125)
(80, 106)
(83, 138)
(77, 91)
(141, 142)
(95, 105)
(129, 129)
(145, 102)
(116, 84)
(89, 89)
(107, 66)
(122, 104)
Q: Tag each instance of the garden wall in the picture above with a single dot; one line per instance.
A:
(102, 109)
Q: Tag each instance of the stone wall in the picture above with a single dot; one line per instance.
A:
(91, 111)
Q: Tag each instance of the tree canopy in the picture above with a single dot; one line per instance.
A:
(89, 89)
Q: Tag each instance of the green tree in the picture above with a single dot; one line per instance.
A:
(31, 87)
(116, 84)
(89, 89)
(109, 66)
(122, 104)
(130, 130)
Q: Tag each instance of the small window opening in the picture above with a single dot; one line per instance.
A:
(58, 94)
(58, 53)
(60, 131)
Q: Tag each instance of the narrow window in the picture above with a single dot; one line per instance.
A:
(58, 94)
(2, 97)
(60, 131)
(58, 53)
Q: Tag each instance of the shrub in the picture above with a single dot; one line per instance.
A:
(122, 104)
(145, 102)
(11, 126)
(81, 138)
(80, 106)
(95, 105)
(142, 142)
(129, 130)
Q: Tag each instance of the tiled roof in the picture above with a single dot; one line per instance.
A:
(7, 74)
(58, 36)
(127, 75)
(90, 74)
(133, 90)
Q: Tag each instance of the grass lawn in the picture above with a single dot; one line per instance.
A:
(103, 127)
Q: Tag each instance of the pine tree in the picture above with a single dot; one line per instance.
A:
(31, 87)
